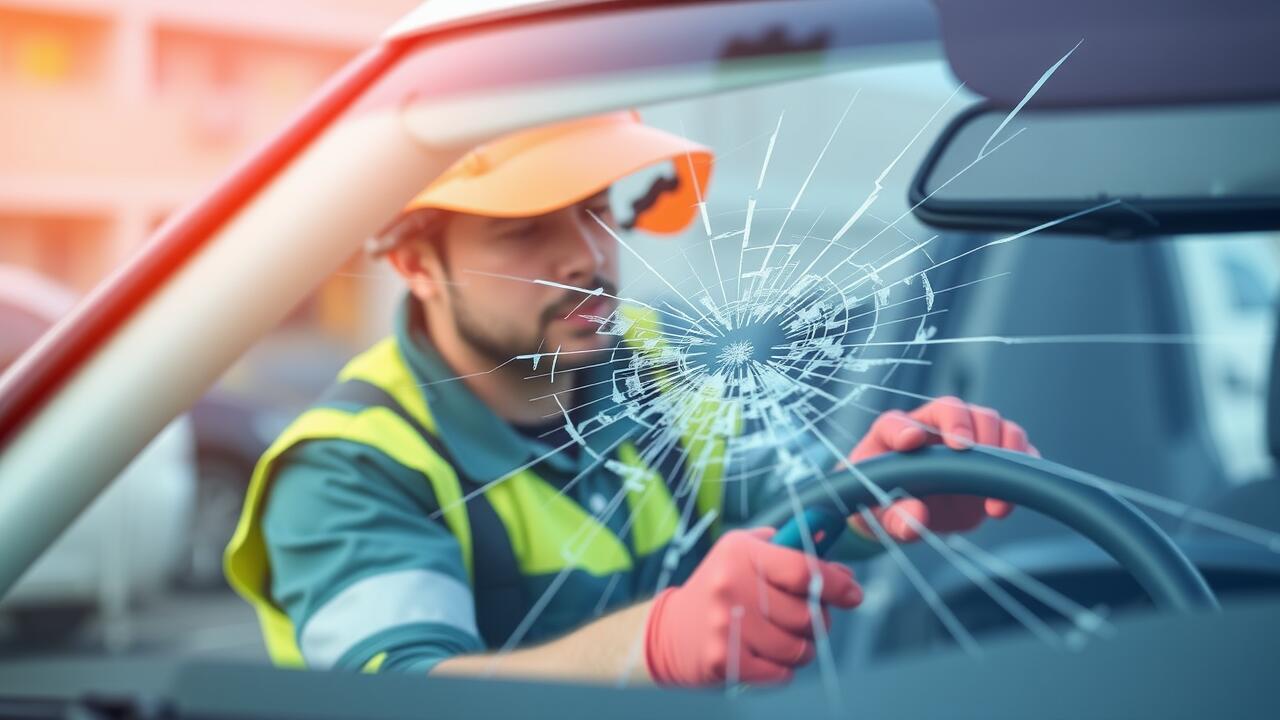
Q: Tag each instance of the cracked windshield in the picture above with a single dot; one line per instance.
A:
(618, 398)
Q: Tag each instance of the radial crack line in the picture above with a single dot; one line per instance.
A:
(697, 188)
(1100, 339)
(647, 265)
(591, 530)
(803, 186)
(919, 247)
(1184, 511)
(773, 139)
(768, 153)
(468, 375)
(498, 481)
(986, 147)
(1175, 508)
(706, 291)
(1007, 602)
(655, 371)
(1081, 617)
(595, 463)
(1027, 98)
(826, 661)
(780, 442)
(931, 313)
(967, 566)
(587, 291)
(935, 602)
(935, 292)
(788, 271)
(906, 213)
(822, 641)
(664, 580)
(596, 365)
(742, 251)
(1018, 235)
(879, 186)
(1010, 604)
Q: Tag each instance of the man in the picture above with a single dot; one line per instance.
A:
(435, 511)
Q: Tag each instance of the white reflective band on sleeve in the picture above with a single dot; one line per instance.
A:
(382, 602)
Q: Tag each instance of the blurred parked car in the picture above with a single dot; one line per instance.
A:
(125, 547)
(234, 422)
(1231, 286)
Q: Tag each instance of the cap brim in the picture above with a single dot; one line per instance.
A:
(571, 166)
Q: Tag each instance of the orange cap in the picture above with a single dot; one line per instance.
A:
(543, 169)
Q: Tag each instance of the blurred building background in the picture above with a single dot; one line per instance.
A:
(116, 112)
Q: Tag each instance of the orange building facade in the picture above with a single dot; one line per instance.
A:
(114, 113)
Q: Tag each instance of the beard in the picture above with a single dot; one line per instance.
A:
(499, 348)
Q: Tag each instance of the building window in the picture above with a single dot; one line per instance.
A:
(52, 50)
(70, 250)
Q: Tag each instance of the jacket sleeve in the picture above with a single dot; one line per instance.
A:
(368, 578)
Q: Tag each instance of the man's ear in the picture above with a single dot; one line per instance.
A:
(419, 264)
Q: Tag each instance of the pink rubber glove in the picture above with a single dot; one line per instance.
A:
(961, 426)
(748, 593)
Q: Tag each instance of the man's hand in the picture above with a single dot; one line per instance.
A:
(959, 426)
(745, 606)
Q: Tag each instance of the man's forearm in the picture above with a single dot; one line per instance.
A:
(607, 650)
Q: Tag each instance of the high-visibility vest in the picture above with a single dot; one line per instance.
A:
(492, 528)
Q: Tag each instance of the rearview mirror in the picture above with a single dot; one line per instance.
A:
(1121, 172)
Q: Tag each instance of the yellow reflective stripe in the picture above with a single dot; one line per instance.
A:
(381, 428)
(375, 663)
(653, 512)
(378, 427)
(704, 440)
(704, 445)
(711, 486)
(549, 532)
(644, 330)
(384, 366)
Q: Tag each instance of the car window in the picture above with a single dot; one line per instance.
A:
(1231, 283)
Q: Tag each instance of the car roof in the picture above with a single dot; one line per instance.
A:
(440, 14)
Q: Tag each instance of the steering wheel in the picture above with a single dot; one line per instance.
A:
(1074, 498)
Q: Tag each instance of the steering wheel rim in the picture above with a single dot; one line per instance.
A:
(1074, 498)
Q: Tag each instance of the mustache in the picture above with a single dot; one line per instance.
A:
(572, 300)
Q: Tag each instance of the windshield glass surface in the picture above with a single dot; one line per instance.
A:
(1072, 337)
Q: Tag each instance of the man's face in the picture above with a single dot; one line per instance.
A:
(500, 317)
